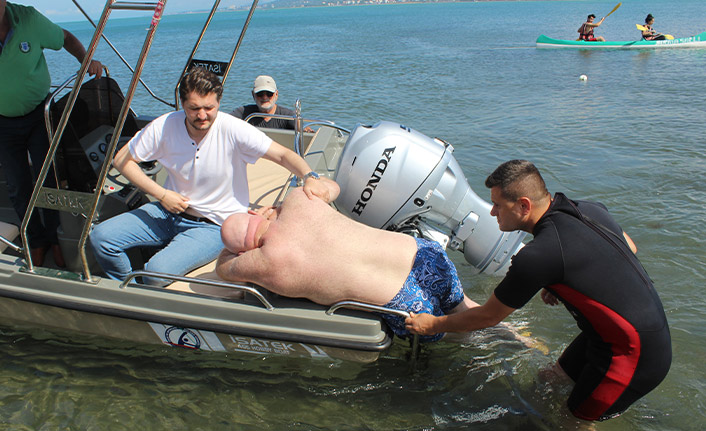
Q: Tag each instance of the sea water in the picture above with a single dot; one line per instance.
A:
(630, 136)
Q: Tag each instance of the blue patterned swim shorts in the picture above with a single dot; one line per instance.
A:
(431, 287)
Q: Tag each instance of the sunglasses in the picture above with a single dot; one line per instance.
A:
(264, 93)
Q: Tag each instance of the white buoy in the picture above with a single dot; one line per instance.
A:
(583, 78)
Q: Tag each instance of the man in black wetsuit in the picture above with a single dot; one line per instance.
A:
(581, 257)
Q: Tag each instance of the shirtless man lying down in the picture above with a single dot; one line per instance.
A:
(306, 249)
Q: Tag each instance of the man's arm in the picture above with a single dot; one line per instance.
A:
(489, 314)
(597, 24)
(290, 160)
(127, 165)
(241, 268)
(74, 47)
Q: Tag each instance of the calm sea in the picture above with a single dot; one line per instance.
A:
(632, 137)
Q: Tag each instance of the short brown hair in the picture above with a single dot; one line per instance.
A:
(202, 81)
(518, 178)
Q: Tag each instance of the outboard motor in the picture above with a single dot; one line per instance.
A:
(395, 178)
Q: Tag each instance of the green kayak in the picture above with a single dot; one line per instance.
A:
(683, 42)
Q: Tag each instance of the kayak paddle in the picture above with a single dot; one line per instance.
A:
(614, 9)
(643, 28)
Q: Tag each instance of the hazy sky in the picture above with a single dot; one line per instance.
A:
(65, 10)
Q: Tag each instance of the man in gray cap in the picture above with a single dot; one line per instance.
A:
(265, 94)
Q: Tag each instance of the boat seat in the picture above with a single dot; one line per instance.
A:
(267, 181)
(9, 232)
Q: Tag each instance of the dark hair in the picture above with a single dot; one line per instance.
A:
(518, 178)
(590, 16)
(202, 81)
(648, 18)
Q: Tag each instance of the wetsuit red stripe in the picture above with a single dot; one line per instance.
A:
(625, 346)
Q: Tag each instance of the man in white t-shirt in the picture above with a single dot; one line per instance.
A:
(205, 153)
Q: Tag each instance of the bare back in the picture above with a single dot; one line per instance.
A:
(313, 251)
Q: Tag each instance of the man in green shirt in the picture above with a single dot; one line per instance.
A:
(25, 83)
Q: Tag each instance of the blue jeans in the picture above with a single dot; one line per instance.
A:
(187, 244)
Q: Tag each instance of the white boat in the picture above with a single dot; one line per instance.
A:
(426, 196)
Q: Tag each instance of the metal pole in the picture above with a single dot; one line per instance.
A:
(48, 161)
(158, 11)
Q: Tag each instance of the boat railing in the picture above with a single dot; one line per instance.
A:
(224, 74)
(300, 124)
(84, 202)
(355, 305)
(216, 283)
(47, 105)
(11, 244)
(120, 56)
(290, 117)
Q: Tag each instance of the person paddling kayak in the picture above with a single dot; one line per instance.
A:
(586, 30)
(648, 33)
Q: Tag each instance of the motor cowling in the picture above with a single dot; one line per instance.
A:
(390, 175)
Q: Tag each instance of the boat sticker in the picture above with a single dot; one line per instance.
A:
(262, 347)
(187, 338)
(217, 67)
(259, 346)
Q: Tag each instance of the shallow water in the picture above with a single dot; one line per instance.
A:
(630, 137)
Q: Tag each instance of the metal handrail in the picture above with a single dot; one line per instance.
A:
(11, 244)
(50, 99)
(56, 138)
(193, 52)
(240, 40)
(110, 151)
(237, 286)
(198, 43)
(365, 307)
(292, 117)
(327, 124)
(48, 160)
(125, 62)
(355, 305)
(135, 5)
(298, 129)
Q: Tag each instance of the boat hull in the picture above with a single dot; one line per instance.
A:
(698, 41)
(144, 315)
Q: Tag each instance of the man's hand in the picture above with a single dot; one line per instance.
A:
(549, 298)
(174, 202)
(421, 324)
(95, 68)
(316, 188)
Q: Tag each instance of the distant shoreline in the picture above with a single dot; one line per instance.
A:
(297, 4)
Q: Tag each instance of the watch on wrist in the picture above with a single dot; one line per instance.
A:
(312, 174)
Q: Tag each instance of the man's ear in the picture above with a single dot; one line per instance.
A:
(525, 205)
